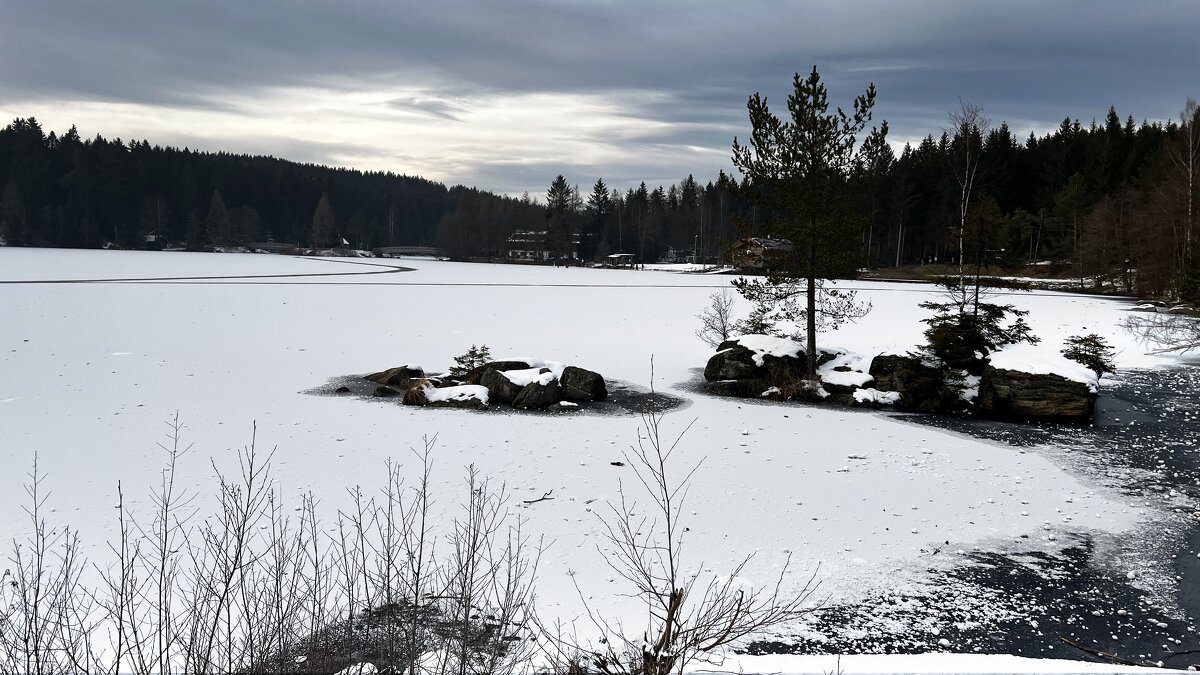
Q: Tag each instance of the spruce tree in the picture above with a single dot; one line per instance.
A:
(560, 210)
(323, 224)
(216, 224)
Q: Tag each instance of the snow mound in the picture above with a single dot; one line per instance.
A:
(1027, 358)
(524, 377)
(855, 377)
(876, 396)
(769, 345)
(555, 367)
(464, 392)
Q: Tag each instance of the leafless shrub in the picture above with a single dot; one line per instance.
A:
(716, 321)
(1165, 332)
(689, 616)
(46, 618)
(250, 589)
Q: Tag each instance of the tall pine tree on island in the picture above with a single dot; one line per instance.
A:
(802, 169)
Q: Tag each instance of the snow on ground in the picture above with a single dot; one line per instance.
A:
(944, 664)
(89, 372)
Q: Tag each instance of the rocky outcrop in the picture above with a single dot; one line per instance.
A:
(538, 396)
(735, 370)
(536, 387)
(906, 381)
(579, 384)
(1013, 395)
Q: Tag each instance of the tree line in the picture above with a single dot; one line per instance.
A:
(1111, 201)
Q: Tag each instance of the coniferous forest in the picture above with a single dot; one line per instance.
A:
(1109, 201)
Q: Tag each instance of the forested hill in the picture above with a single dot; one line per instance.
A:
(68, 191)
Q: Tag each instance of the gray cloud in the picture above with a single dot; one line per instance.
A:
(1026, 61)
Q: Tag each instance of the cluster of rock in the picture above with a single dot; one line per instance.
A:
(906, 381)
(519, 384)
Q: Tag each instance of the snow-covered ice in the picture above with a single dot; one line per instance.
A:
(89, 372)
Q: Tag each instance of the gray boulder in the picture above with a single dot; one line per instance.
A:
(750, 388)
(537, 396)
(921, 385)
(384, 392)
(500, 388)
(732, 362)
(1014, 395)
(886, 368)
(579, 384)
(400, 376)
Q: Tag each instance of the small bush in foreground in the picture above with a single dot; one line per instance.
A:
(262, 586)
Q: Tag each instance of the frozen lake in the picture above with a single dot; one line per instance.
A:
(90, 370)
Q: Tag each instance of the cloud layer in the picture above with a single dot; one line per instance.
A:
(504, 95)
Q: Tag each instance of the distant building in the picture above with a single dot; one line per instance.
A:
(619, 260)
(528, 245)
(152, 241)
(760, 253)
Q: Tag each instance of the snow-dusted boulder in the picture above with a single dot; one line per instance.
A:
(1012, 394)
(1022, 382)
(732, 362)
(579, 384)
(469, 396)
(539, 394)
(400, 376)
(500, 388)
(751, 388)
(759, 356)
(886, 368)
(919, 384)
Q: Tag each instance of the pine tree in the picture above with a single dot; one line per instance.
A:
(12, 215)
(801, 169)
(473, 358)
(324, 224)
(216, 223)
(1092, 351)
(561, 200)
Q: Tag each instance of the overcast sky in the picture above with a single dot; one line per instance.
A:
(505, 94)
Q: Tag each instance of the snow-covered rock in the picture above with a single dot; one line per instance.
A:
(1019, 395)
